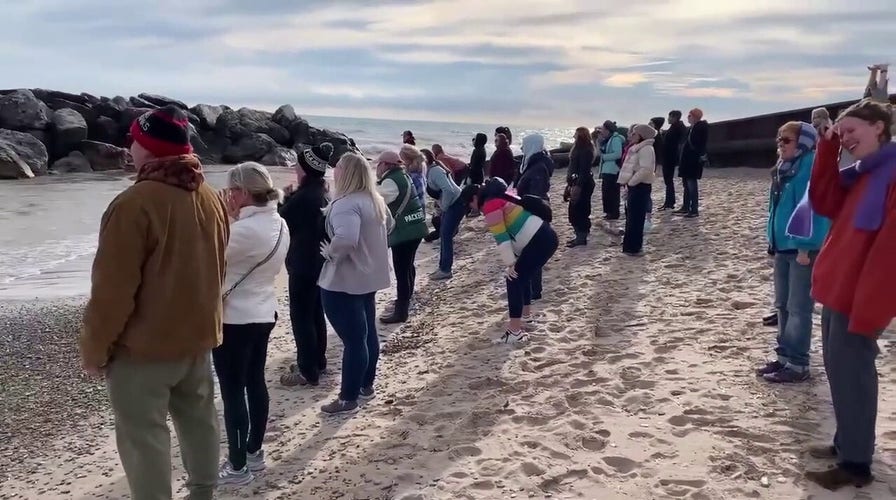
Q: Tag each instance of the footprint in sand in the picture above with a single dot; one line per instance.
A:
(622, 465)
(640, 435)
(594, 444)
(530, 469)
(465, 451)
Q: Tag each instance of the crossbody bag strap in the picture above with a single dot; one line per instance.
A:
(259, 264)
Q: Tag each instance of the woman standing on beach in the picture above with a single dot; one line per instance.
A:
(303, 211)
(794, 256)
(356, 267)
(693, 160)
(258, 243)
(580, 186)
(397, 189)
(440, 185)
(414, 164)
(636, 177)
(535, 180)
(501, 164)
(611, 144)
(853, 278)
(525, 241)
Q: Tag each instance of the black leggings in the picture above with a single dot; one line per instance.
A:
(239, 362)
(403, 256)
(580, 209)
(309, 328)
(610, 195)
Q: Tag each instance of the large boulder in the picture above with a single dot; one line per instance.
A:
(254, 115)
(208, 146)
(46, 95)
(104, 156)
(20, 110)
(69, 129)
(128, 115)
(91, 99)
(162, 101)
(331, 136)
(74, 162)
(229, 125)
(139, 102)
(300, 132)
(105, 129)
(29, 149)
(56, 103)
(207, 114)
(252, 147)
(280, 157)
(11, 166)
(109, 109)
(285, 116)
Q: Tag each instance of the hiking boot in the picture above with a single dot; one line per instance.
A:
(394, 317)
(440, 275)
(823, 452)
(771, 367)
(368, 392)
(339, 406)
(837, 477)
(787, 375)
(227, 475)
(255, 461)
(294, 378)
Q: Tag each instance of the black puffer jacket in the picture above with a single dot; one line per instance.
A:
(693, 151)
(303, 213)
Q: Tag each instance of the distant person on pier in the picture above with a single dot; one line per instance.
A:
(502, 164)
(670, 153)
(407, 137)
(459, 168)
(611, 145)
(580, 186)
(155, 310)
(693, 161)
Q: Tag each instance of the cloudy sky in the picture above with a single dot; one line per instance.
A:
(546, 62)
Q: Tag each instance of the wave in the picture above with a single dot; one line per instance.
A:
(21, 263)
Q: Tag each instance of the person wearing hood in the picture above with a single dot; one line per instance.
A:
(502, 164)
(693, 161)
(794, 256)
(580, 186)
(525, 241)
(407, 137)
(636, 176)
(611, 146)
(534, 179)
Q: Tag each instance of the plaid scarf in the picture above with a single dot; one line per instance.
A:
(183, 171)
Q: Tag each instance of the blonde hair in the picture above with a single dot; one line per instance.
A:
(412, 158)
(357, 177)
(254, 179)
(793, 127)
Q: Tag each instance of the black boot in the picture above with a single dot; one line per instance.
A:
(398, 315)
(581, 239)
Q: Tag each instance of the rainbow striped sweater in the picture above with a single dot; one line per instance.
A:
(511, 226)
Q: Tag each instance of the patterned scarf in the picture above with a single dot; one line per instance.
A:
(881, 166)
(183, 171)
(800, 223)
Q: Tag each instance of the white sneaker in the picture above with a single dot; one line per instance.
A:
(255, 461)
(228, 476)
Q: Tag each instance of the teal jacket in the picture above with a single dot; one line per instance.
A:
(781, 208)
(611, 153)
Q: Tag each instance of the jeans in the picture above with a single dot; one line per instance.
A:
(669, 181)
(637, 207)
(852, 375)
(610, 195)
(403, 255)
(451, 219)
(239, 363)
(309, 328)
(580, 209)
(794, 303)
(354, 319)
(533, 257)
(691, 203)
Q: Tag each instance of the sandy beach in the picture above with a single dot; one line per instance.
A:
(637, 383)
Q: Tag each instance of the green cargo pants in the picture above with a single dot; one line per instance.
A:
(142, 396)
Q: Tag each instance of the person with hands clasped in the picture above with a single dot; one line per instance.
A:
(636, 176)
(793, 255)
(525, 242)
(580, 186)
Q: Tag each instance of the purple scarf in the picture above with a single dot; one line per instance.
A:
(881, 166)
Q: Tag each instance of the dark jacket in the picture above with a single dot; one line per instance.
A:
(672, 140)
(659, 145)
(503, 165)
(579, 171)
(536, 179)
(303, 213)
(693, 152)
(477, 159)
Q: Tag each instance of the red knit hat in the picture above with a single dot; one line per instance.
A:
(163, 132)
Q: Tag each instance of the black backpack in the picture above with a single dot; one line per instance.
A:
(532, 204)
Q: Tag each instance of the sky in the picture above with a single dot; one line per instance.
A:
(519, 62)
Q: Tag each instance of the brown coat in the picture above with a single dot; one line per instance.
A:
(157, 275)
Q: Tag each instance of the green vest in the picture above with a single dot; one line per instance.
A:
(410, 224)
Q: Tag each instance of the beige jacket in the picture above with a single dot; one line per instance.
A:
(639, 166)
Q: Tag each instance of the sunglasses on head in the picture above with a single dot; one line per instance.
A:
(784, 140)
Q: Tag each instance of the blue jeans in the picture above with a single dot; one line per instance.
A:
(451, 219)
(691, 196)
(793, 300)
(354, 319)
(529, 264)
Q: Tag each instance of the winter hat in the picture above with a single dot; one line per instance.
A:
(163, 132)
(644, 131)
(315, 160)
(389, 158)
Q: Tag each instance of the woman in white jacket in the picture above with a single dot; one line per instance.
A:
(255, 255)
(636, 176)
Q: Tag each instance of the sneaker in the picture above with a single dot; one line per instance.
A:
(339, 406)
(772, 367)
(294, 378)
(691, 215)
(510, 337)
(440, 275)
(368, 392)
(228, 476)
(255, 461)
(787, 375)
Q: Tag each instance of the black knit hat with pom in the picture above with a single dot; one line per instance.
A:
(315, 160)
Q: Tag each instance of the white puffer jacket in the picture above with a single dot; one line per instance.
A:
(639, 166)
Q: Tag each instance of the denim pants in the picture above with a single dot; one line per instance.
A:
(451, 219)
(354, 319)
(691, 196)
(533, 257)
(793, 283)
(852, 375)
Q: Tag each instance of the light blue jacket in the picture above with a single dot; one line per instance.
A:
(611, 153)
(792, 191)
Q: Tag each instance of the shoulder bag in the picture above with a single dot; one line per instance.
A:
(259, 264)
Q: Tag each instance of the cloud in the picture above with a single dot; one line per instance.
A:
(554, 62)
